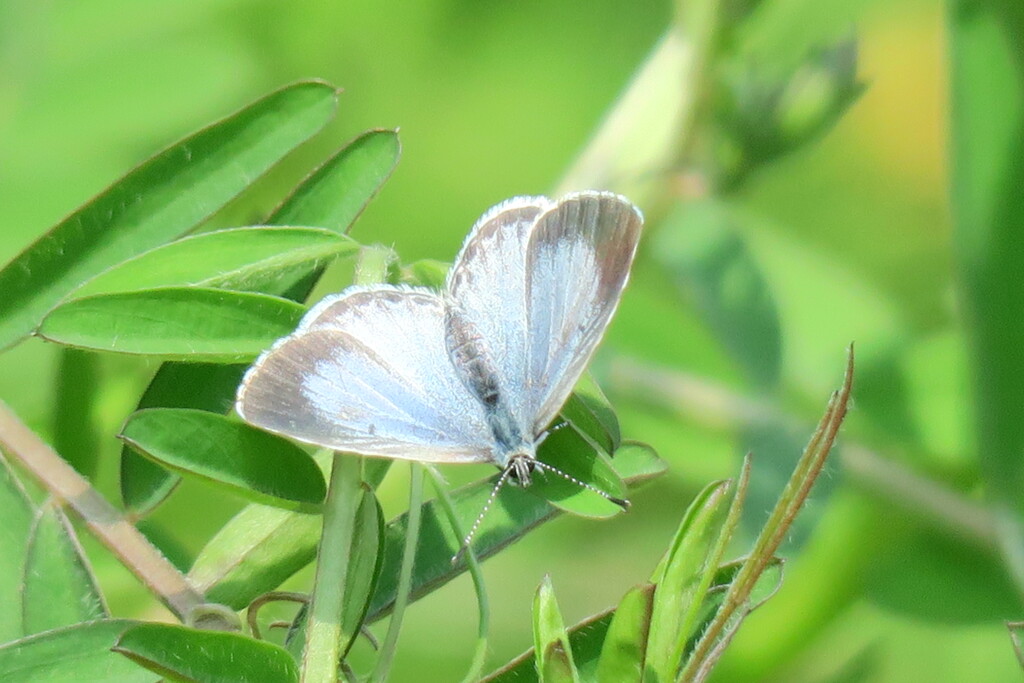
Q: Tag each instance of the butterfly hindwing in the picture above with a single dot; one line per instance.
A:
(367, 371)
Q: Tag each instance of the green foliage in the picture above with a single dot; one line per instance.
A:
(76, 653)
(773, 238)
(165, 197)
(249, 462)
(183, 654)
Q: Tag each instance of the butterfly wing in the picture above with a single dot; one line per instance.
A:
(577, 264)
(539, 281)
(367, 372)
(487, 289)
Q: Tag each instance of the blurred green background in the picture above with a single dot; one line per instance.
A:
(852, 234)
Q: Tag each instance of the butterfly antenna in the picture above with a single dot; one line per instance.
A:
(621, 502)
(483, 512)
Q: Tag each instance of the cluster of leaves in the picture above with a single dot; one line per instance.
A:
(117, 276)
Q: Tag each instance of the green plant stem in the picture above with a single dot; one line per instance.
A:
(708, 649)
(322, 653)
(103, 519)
(476, 667)
(699, 22)
(412, 535)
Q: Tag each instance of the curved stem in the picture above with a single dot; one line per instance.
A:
(484, 618)
(412, 536)
(105, 521)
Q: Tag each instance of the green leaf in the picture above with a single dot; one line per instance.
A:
(589, 411)
(181, 323)
(176, 385)
(712, 266)
(515, 513)
(585, 639)
(71, 655)
(682, 579)
(912, 577)
(75, 432)
(571, 452)
(338, 191)
(59, 587)
(17, 513)
(625, 645)
(987, 115)
(588, 638)
(158, 201)
(254, 553)
(205, 656)
(332, 197)
(249, 259)
(367, 547)
(555, 663)
(250, 462)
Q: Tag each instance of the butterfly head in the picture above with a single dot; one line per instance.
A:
(520, 466)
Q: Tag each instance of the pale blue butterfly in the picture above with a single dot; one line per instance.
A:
(474, 373)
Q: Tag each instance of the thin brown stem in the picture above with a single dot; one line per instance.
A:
(106, 522)
(718, 407)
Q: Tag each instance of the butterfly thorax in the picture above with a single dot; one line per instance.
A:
(474, 365)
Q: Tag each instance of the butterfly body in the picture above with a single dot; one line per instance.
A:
(475, 373)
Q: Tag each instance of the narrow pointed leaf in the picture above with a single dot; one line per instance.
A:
(681, 580)
(252, 463)
(18, 514)
(625, 645)
(588, 638)
(338, 191)
(987, 172)
(249, 259)
(332, 197)
(255, 552)
(207, 387)
(59, 587)
(550, 639)
(158, 201)
(182, 323)
(205, 656)
(71, 655)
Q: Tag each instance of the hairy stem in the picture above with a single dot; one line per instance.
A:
(105, 521)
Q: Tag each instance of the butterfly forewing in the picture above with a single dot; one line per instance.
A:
(486, 292)
(367, 371)
(540, 280)
(577, 263)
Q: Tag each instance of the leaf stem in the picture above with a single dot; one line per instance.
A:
(322, 653)
(484, 618)
(412, 536)
(107, 523)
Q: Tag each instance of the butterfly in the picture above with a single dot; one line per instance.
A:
(474, 373)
